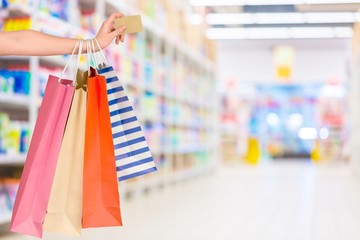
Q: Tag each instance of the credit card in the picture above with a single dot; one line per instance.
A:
(133, 23)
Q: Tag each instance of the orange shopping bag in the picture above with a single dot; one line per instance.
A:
(101, 201)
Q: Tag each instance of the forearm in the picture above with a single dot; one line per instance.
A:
(33, 43)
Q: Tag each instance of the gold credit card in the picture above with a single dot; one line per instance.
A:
(133, 23)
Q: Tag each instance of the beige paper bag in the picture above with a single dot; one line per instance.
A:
(64, 212)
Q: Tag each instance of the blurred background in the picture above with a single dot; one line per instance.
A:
(250, 108)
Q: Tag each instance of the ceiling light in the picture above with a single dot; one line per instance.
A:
(266, 2)
(324, 133)
(230, 18)
(226, 33)
(330, 17)
(217, 2)
(279, 33)
(273, 2)
(330, 1)
(357, 16)
(281, 18)
(272, 119)
(312, 32)
(278, 18)
(267, 33)
(343, 32)
(308, 133)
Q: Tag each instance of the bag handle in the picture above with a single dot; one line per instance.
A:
(78, 61)
(101, 51)
(96, 53)
(92, 46)
(90, 54)
(80, 44)
(66, 65)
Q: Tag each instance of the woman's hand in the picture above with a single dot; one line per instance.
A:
(108, 31)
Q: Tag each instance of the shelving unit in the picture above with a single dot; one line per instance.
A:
(171, 84)
(353, 97)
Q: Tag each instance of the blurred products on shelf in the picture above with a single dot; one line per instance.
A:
(15, 24)
(8, 190)
(14, 136)
(15, 80)
(285, 121)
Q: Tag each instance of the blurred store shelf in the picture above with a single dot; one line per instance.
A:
(12, 159)
(14, 100)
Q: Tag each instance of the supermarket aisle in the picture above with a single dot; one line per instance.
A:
(275, 201)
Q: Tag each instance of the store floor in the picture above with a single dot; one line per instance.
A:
(276, 201)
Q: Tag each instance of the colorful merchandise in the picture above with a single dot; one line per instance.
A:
(57, 8)
(4, 123)
(8, 189)
(15, 80)
(16, 24)
(14, 136)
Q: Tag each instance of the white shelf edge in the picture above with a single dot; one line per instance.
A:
(24, 8)
(58, 60)
(18, 100)
(12, 159)
(5, 219)
(5, 58)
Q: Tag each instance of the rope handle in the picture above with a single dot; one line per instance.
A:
(79, 44)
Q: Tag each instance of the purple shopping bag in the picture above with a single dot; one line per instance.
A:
(36, 180)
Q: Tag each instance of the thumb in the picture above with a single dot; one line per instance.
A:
(118, 31)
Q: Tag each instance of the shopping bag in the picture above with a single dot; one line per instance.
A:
(64, 211)
(132, 154)
(101, 201)
(36, 181)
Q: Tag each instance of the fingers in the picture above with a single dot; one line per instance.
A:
(112, 17)
(118, 31)
(108, 24)
(113, 27)
(109, 31)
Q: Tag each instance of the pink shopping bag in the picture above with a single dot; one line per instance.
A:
(36, 181)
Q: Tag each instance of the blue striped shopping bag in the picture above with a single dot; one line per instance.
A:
(132, 153)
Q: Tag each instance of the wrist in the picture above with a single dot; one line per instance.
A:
(101, 43)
